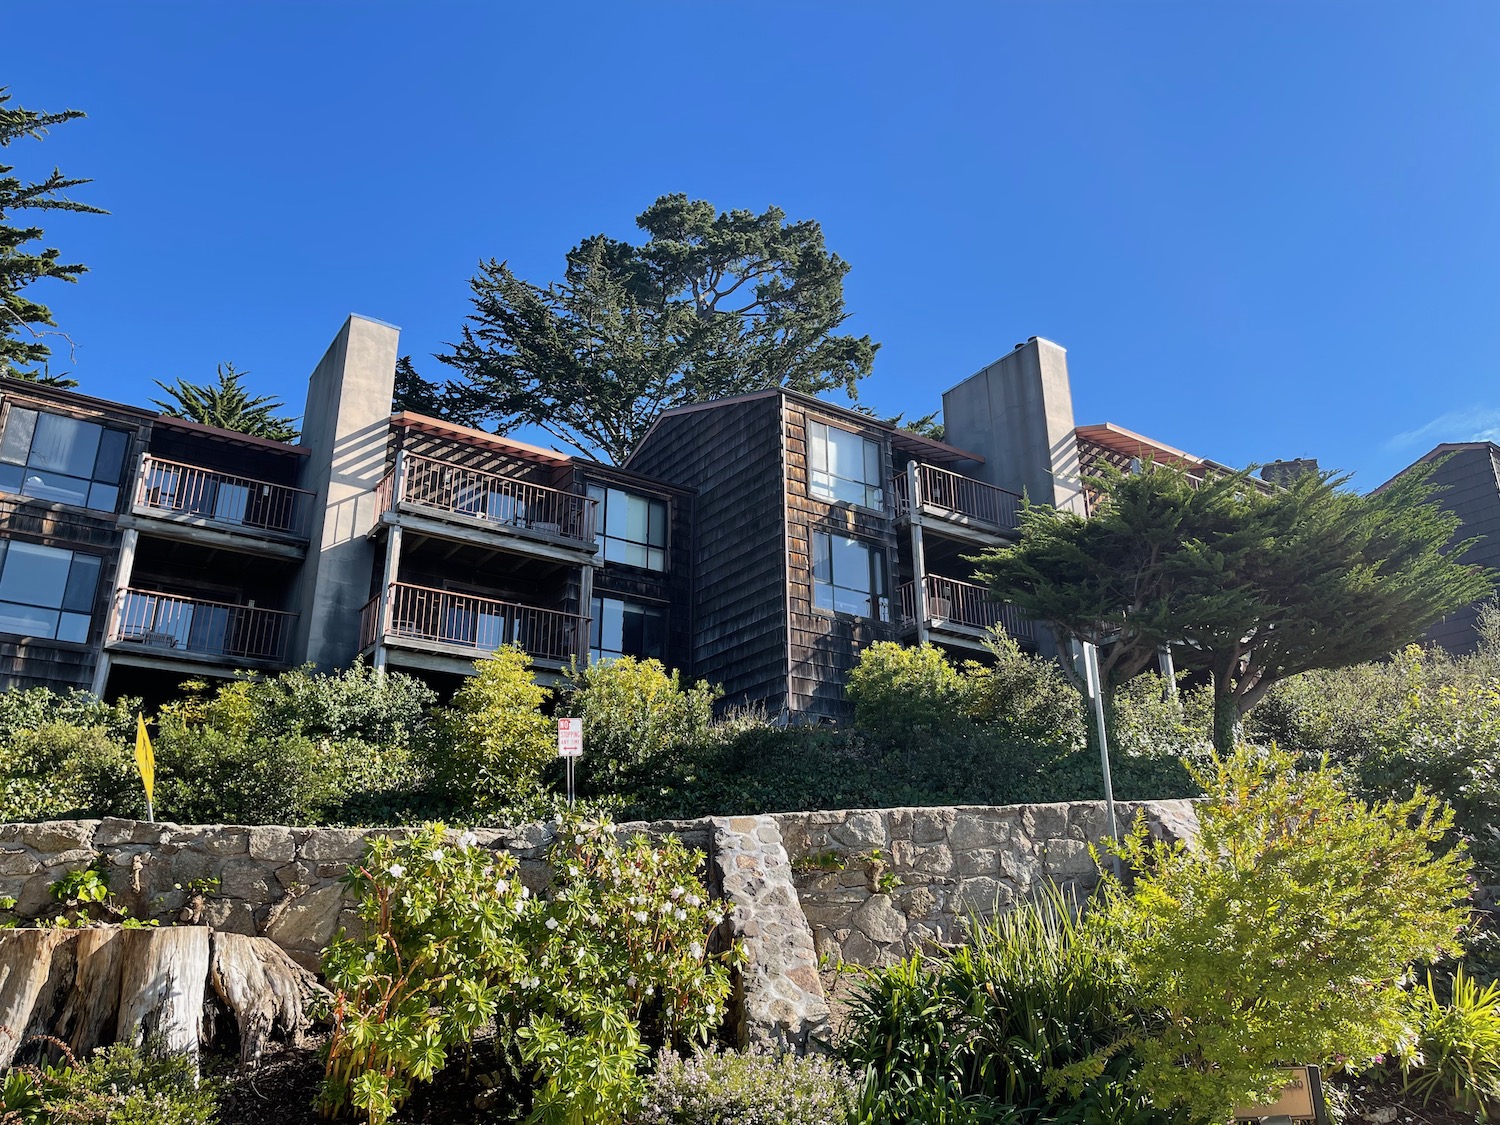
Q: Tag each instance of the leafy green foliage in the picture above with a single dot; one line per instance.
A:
(227, 405)
(1423, 719)
(1457, 1050)
(1026, 1021)
(754, 1088)
(638, 721)
(1296, 900)
(578, 981)
(22, 320)
(1249, 587)
(894, 687)
(117, 1085)
(59, 770)
(712, 304)
(496, 739)
(1022, 696)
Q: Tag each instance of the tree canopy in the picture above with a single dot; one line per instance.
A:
(23, 322)
(227, 405)
(1246, 585)
(711, 304)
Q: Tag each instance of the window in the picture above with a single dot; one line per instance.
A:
(621, 628)
(844, 466)
(849, 576)
(62, 459)
(47, 592)
(630, 529)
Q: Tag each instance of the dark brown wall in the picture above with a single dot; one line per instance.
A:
(1469, 485)
(730, 455)
(824, 646)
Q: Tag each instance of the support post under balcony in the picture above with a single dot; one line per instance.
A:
(387, 584)
(918, 557)
(123, 571)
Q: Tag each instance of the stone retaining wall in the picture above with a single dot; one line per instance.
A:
(878, 884)
(283, 883)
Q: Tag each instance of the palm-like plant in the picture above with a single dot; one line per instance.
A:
(228, 406)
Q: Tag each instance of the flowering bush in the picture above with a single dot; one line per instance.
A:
(578, 980)
(758, 1088)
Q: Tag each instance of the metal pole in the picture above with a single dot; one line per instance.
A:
(1168, 669)
(918, 553)
(1096, 697)
(570, 784)
(150, 813)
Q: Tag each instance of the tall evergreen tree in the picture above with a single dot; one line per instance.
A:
(711, 304)
(23, 322)
(1246, 585)
(227, 405)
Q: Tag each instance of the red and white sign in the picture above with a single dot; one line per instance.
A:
(570, 738)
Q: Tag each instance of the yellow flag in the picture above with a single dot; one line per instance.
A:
(145, 760)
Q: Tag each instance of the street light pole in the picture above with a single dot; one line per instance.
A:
(1096, 700)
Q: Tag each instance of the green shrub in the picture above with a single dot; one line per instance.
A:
(29, 709)
(1282, 932)
(496, 741)
(357, 704)
(59, 770)
(896, 689)
(208, 776)
(639, 721)
(1457, 1051)
(115, 1086)
(577, 982)
(1023, 696)
(1150, 722)
(755, 1088)
(1022, 1022)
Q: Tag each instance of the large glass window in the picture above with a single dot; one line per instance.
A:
(62, 459)
(621, 628)
(844, 466)
(47, 592)
(849, 576)
(630, 529)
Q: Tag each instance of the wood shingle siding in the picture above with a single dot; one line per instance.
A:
(730, 455)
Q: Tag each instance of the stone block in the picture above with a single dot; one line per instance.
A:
(973, 830)
(982, 895)
(272, 843)
(879, 920)
(985, 862)
(1045, 822)
(326, 845)
(862, 831)
(57, 835)
(310, 922)
(18, 862)
(1068, 857)
(247, 879)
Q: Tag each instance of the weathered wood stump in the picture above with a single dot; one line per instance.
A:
(90, 987)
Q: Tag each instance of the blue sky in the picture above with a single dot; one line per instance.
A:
(1261, 230)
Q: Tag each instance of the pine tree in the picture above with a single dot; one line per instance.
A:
(228, 406)
(22, 320)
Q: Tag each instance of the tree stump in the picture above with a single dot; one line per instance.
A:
(25, 969)
(88, 1014)
(264, 988)
(162, 977)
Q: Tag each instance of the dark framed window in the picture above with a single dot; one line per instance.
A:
(630, 529)
(844, 466)
(50, 457)
(849, 576)
(621, 628)
(47, 592)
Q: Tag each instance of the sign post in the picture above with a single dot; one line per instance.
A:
(1096, 697)
(569, 747)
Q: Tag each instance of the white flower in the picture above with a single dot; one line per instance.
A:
(573, 870)
(712, 1010)
(694, 900)
(468, 840)
(369, 958)
(552, 923)
(630, 981)
(437, 855)
(650, 989)
(677, 892)
(639, 915)
(679, 914)
(525, 892)
(396, 870)
(501, 887)
(696, 949)
(666, 908)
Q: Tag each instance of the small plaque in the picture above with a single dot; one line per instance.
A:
(1301, 1099)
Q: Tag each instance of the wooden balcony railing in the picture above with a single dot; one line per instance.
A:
(503, 501)
(177, 489)
(202, 628)
(945, 492)
(482, 624)
(965, 604)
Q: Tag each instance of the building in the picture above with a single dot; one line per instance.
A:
(759, 542)
(1466, 480)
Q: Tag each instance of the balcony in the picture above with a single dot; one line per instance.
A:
(962, 611)
(469, 627)
(948, 500)
(483, 503)
(221, 502)
(153, 624)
